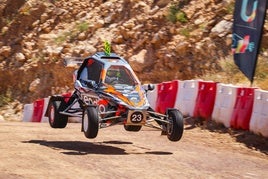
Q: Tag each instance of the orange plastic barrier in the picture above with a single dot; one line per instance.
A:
(167, 92)
(205, 99)
(243, 108)
(38, 106)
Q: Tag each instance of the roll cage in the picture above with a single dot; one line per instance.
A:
(96, 68)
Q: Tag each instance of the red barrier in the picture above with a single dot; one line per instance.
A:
(243, 108)
(166, 97)
(205, 99)
(38, 106)
(67, 96)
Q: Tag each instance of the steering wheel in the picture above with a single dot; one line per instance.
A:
(118, 81)
(113, 80)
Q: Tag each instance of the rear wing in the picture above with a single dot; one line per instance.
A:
(74, 62)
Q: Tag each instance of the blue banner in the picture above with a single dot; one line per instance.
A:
(249, 16)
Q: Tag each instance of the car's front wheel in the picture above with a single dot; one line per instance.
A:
(175, 126)
(90, 122)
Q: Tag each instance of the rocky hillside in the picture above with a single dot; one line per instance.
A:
(162, 40)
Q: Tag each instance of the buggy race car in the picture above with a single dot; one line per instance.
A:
(108, 92)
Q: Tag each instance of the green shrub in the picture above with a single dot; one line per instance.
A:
(175, 13)
(230, 8)
(172, 14)
(5, 98)
(63, 37)
(185, 32)
(181, 17)
(83, 26)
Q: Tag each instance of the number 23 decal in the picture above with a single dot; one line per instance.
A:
(136, 117)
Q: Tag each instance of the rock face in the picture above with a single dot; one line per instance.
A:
(37, 35)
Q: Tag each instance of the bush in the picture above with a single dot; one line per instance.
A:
(83, 26)
(176, 14)
(185, 32)
(5, 98)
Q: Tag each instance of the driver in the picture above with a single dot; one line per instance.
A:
(112, 76)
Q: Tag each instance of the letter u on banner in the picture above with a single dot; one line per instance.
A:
(244, 13)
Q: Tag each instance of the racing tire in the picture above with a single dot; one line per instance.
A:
(176, 126)
(132, 128)
(90, 123)
(57, 120)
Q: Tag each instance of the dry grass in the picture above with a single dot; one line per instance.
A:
(230, 74)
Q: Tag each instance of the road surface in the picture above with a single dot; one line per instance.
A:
(34, 150)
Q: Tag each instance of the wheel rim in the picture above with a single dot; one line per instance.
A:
(85, 122)
(52, 114)
(102, 108)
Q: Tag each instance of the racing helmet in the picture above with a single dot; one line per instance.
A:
(113, 72)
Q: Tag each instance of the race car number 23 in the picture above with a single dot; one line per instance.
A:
(136, 117)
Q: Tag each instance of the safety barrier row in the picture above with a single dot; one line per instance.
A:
(233, 106)
(35, 112)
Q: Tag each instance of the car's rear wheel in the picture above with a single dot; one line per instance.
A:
(90, 122)
(57, 120)
(175, 126)
(132, 128)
